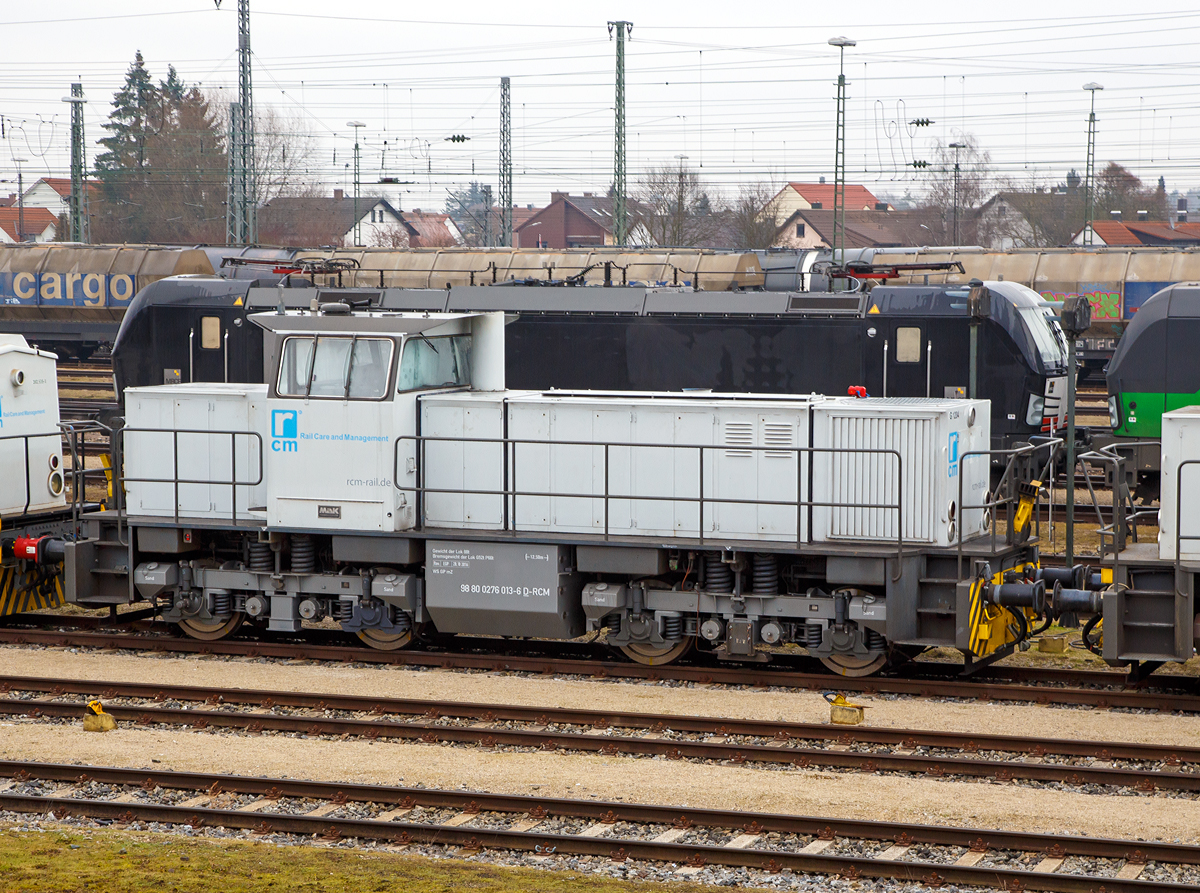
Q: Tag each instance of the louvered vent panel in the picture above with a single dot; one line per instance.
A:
(779, 435)
(739, 434)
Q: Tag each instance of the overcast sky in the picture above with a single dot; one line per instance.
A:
(744, 91)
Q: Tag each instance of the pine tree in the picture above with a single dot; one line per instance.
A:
(128, 123)
(164, 168)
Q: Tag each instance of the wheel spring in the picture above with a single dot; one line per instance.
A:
(304, 554)
(613, 622)
(342, 609)
(401, 620)
(718, 575)
(672, 626)
(875, 641)
(812, 635)
(766, 574)
(261, 559)
(222, 603)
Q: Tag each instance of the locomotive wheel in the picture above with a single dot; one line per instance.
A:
(211, 630)
(849, 665)
(656, 655)
(381, 641)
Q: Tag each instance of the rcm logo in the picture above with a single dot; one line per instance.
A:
(284, 423)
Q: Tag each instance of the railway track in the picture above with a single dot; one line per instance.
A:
(1142, 767)
(688, 839)
(1080, 688)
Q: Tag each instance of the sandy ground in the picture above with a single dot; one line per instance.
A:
(811, 792)
(1007, 807)
(499, 688)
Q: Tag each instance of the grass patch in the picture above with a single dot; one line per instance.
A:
(66, 861)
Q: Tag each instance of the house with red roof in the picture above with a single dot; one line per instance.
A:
(1162, 233)
(40, 225)
(819, 197)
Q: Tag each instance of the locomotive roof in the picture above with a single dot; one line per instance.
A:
(303, 322)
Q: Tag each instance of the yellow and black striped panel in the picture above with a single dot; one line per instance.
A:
(34, 590)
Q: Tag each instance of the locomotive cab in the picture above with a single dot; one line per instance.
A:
(345, 391)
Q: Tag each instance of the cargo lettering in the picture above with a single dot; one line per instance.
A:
(68, 289)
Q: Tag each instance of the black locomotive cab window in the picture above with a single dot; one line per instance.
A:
(346, 367)
(210, 333)
(443, 362)
(908, 344)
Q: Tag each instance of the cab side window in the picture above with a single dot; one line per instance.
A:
(442, 362)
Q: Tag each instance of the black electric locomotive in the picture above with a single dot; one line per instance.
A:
(894, 341)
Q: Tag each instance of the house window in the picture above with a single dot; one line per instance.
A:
(799, 230)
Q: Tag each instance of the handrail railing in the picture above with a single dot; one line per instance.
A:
(1016, 455)
(509, 491)
(233, 483)
(1179, 535)
(1117, 529)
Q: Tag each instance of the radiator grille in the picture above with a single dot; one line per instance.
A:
(876, 477)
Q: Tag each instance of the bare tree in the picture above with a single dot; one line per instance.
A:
(674, 208)
(750, 220)
(284, 155)
(960, 177)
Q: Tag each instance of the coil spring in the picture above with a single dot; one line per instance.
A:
(222, 603)
(342, 609)
(672, 626)
(874, 640)
(261, 559)
(812, 634)
(401, 620)
(718, 576)
(613, 622)
(304, 554)
(766, 574)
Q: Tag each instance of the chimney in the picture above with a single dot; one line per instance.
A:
(1143, 215)
(559, 197)
(822, 181)
(1181, 213)
(338, 195)
(1115, 215)
(881, 206)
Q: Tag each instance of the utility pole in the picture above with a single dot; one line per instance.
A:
(241, 215)
(506, 196)
(78, 206)
(620, 211)
(1089, 183)
(487, 216)
(956, 147)
(357, 181)
(20, 200)
(677, 228)
(839, 162)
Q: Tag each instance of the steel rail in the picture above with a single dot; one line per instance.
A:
(484, 732)
(600, 812)
(595, 719)
(756, 675)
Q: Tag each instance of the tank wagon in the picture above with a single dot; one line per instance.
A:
(896, 341)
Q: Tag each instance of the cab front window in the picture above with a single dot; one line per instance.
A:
(343, 367)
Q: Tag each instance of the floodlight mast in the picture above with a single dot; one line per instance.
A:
(1090, 170)
(839, 165)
